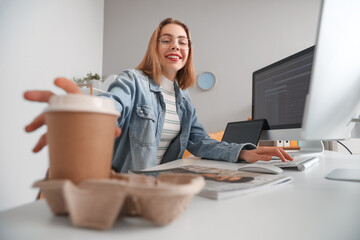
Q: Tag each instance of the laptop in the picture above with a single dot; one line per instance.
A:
(244, 131)
(250, 131)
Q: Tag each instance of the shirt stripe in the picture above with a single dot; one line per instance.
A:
(169, 102)
(172, 121)
(164, 91)
(171, 127)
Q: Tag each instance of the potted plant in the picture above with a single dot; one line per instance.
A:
(90, 81)
(90, 78)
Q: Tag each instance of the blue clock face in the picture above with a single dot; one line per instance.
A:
(206, 81)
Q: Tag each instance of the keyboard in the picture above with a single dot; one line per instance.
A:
(300, 163)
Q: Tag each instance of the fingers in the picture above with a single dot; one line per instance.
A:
(68, 85)
(36, 123)
(277, 152)
(44, 96)
(285, 154)
(38, 96)
(117, 132)
(41, 143)
(264, 154)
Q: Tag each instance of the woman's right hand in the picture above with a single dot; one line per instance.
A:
(44, 96)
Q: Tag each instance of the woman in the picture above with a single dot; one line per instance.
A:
(158, 120)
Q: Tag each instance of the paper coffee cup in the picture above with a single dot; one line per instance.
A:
(81, 131)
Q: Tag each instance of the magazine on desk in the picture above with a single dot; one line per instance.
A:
(224, 183)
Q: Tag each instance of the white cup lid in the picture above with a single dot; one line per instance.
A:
(81, 103)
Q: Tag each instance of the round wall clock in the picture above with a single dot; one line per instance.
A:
(206, 81)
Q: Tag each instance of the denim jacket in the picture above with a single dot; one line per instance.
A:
(139, 100)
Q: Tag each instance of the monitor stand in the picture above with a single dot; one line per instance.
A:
(309, 148)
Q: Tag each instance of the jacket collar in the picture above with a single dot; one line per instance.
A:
(153, 85)
(178, 91)
(156, 88)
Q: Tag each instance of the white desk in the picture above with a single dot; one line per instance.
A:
(311, 207)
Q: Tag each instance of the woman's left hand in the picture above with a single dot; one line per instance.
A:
(264, 154)
(44, 96)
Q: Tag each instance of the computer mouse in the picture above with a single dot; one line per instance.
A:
(260, 168)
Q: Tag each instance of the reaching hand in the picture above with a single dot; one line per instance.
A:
(265, 154)
(44, 96)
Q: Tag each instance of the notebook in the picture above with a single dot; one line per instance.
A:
(244, 131)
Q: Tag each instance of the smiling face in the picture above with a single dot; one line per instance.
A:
(172, 54)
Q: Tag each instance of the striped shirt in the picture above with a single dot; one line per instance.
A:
(171, 126)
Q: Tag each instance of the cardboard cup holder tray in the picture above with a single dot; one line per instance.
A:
(97, 203)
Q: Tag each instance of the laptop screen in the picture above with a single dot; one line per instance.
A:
(243, 132)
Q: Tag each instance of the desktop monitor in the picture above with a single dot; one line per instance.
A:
(279, 93)
(331, 108)
(333, 103)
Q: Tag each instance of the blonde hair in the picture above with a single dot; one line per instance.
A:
(151, 66)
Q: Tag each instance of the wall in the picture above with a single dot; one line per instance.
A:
(231, 38)
(40, 40)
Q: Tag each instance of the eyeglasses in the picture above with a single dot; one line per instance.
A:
(168, 41)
